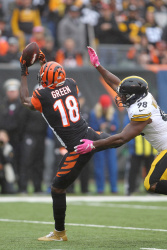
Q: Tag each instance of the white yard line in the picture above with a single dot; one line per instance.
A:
(48, 199)
(96, 201)
(85, 225)
(153, 249)
(100, 204)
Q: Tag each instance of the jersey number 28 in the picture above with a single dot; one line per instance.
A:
(72, 107)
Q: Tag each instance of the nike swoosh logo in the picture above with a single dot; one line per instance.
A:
(58, 240)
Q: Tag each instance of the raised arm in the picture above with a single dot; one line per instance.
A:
(24, 92)
(112, 80)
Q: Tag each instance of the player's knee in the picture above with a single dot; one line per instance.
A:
(149, 186)
(57, 190)
(153, 187)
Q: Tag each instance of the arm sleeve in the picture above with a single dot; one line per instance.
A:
(77, 89)
(36, 102)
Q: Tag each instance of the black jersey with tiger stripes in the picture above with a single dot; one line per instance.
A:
(61, 110)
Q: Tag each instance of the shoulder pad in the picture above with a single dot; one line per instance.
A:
(71, 80)
(36, 93)
(139, 111)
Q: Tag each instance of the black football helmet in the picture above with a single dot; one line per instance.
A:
(130, 90)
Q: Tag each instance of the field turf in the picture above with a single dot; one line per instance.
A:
(97, 222)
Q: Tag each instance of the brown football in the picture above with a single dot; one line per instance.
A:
(30, 54)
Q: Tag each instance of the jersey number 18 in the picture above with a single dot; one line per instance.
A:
(72, 107)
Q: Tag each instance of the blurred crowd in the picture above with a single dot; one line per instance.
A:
(63, 29)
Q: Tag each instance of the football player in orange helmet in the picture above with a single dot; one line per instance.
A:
(51, 74)
(57, 100)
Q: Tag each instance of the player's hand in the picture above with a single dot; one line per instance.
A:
(24, 69)
(84, 148)
(41, 57)
(93, 57)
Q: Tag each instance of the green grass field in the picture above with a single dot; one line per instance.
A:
(92, 222)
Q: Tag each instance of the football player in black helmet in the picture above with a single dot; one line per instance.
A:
(146, 118)
(130, 90)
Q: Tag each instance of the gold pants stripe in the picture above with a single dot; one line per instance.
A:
(153, 166)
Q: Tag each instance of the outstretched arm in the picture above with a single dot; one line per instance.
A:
(112, 80)
(129, 132)
(24, 92)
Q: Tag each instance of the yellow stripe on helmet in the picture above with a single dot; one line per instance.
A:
(132, 77)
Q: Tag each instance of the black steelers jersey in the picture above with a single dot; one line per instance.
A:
(61, 110)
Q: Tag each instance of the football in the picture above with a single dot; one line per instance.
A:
(30, 54)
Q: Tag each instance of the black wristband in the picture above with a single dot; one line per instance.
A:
(24, 70)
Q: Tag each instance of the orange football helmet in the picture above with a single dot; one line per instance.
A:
(51, 74)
